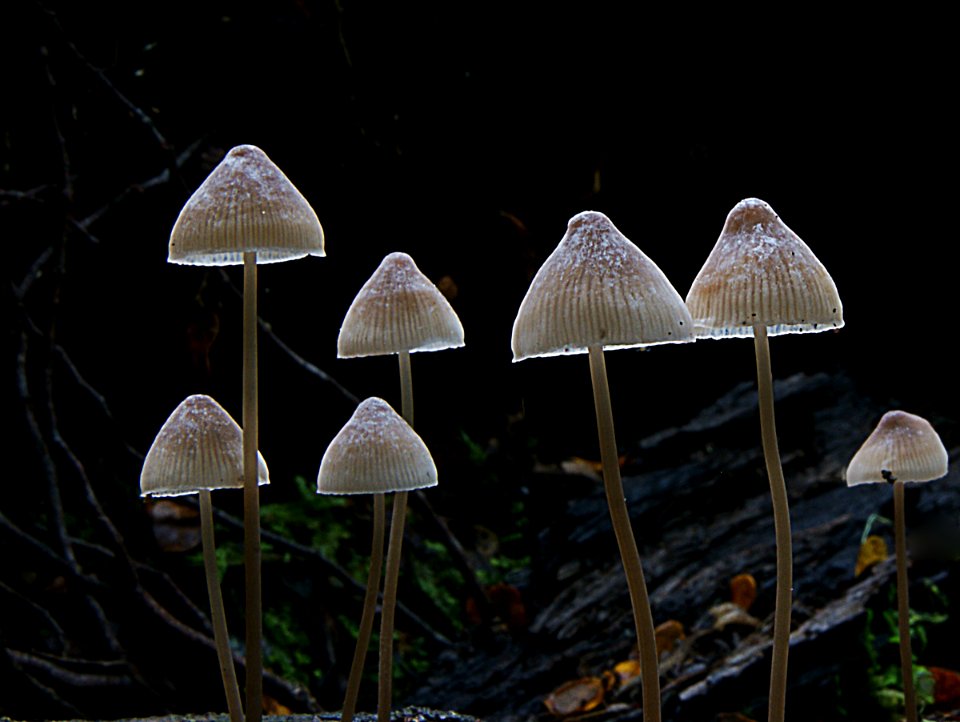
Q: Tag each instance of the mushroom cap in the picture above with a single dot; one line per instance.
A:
(597, 288)
(398, 309)
(904, 447)
(245, 204)
(199, 446)
(760, 271)
(376, 452)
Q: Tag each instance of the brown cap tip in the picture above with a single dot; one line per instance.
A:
(760, 272)
(199, 446)
(245, 204)
(903, 447)
(374, 453)
(398, 309)
(597, 288)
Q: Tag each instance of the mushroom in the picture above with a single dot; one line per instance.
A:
(398, 310)
(199, 448)
(376, 452)
(761, 280)
(248, 212)
(596, 290)
(902, 448)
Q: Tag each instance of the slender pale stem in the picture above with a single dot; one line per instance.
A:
(251, 494)
(630, 556)
(385, 699)
(781, 524)
(389, 606)
(227, 671)
(369, 608)
(406, 388)
(903, 602)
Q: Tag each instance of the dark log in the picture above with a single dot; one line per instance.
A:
(699, 504)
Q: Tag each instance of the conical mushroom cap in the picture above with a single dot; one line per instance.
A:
(376, 452)
(398, 309)
(245, 204)
(903, 447)
(760, 272)
(199, 446)
(597, 288)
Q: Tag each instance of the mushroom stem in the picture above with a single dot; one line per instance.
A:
(369, 608)
(406, 388)
(251, 493)
(227, 671)
(389, 605)
(781, 523)
(612, 484)
(903, 602)
(397, 520)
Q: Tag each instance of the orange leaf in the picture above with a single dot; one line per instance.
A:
(743, 590)
(580, 695)
(271, 706)
(872, 551)
(667, 634)
(946, 684)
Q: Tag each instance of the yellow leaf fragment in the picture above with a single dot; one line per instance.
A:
(625, 671)
(872, 551)
(579, 695)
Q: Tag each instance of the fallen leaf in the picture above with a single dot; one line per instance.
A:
(271, 706)
(730, 613)
(743, 590)
(667, 634)
(872, 551)
(946, 684)
(625, 671)
(580, 695)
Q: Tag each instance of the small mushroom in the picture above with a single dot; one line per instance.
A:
(398, 310)
(376, 452)
(904, 447)
(199, 448)
(761, 280)
(597, 290)
(247, 211)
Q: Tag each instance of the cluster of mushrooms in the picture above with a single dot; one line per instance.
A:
(596, 291)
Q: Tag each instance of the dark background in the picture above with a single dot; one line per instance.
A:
(465, 134)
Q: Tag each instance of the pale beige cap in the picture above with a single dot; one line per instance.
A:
(760, 272)
(903, 447)
(597, 288)
(245, 204)
(199, 446)
(398, 309)
(376, 452)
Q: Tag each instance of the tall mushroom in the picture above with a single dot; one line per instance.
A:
(761, 280)
(597, 290)
(198, 449)
(248, 212)
(398, 310)
(902, 448)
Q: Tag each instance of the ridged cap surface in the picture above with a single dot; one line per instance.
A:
(903, 445)
(597, 288)
(245, 204)
(760, 272)
(398, 309)
(199, 446)
(376, 452)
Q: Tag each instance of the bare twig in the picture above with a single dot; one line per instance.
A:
(310, 368)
